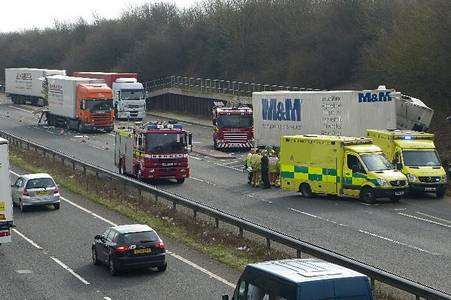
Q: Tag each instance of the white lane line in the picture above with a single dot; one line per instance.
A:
(197, 267)
(197, 179)
(424, 220)
(64, 266)
(195, 157)
(367, 232)
(88, 211)
(34, 244)
(433, 217)
(21, 109)
(27, 239)
(107, 298)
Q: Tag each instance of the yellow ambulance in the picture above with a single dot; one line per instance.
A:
(414, 154)
(334, 165)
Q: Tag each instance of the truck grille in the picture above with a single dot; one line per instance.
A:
(398, 183)
(101, 118)
(235, 137)
(429, 179)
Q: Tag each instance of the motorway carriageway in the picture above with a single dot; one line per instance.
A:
(411, 238)
(50, 258)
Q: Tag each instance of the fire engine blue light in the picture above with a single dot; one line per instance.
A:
(407, 137)
(152, 126)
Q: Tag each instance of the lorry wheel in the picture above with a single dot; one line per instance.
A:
(306, 190)
(440, 193)
(181, 180)
(367, 195)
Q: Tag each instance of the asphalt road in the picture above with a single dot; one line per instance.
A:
(411, 238)
(47, 243)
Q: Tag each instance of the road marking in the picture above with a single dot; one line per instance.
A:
(197, 267)
(64, 266)
(424, 220)
(195, 157)
(437, 218)
(24, 271)
(21, 109)
(107, 298)
(27, 239)
(197, 179)
(366, 232)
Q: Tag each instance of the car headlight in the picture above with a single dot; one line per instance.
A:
(382, 182)
(411, 178)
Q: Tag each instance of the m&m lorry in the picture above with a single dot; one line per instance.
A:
(6, 206)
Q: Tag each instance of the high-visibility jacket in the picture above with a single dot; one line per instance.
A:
(273, 164)
(256, 161)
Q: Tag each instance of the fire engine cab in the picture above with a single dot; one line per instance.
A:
(233, 126)
(153, 151)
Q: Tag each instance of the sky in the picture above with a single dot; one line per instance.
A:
(17, 15)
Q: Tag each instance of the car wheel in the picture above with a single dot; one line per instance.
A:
(56, 205)
(112, 267)
(181, 180)
(162, 268)
(95, 261)
(306, 190)
(367, 195)
(22, 207)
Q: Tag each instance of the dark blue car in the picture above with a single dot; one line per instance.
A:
(129, 247)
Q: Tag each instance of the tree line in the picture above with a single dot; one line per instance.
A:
(404, 44)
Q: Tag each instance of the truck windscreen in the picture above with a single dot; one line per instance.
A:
(165, 143)
(420, 158)
(132, 94)
(376, 162)
(99, 105)
(234, 121)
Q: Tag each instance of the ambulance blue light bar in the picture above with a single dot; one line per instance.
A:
(408, 137)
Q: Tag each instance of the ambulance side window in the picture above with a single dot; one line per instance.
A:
(354, 164)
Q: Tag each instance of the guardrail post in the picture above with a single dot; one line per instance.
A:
(194, 214)
(174, 205)
(141, 198)
(73, 165)
(298, 253)
(216, 222)
(241, 234)
(268, 243)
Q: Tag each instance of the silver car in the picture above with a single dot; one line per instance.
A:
(35, 190)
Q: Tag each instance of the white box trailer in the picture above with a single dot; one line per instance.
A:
(25, 84)
(62, 94)
(6, 206)
(342, 113)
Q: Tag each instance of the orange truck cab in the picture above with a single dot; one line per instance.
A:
(95, 107)
(81, 104)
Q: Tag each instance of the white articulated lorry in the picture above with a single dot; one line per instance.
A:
(6, 206)
(342, 113)
(24, 85)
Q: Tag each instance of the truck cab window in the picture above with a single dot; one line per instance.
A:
(240, 293)
(256, 293)
(354, 163)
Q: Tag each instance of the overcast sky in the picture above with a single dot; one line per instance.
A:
(16, 15)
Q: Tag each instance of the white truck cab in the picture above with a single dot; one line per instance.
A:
(6, 206)
(129, 99)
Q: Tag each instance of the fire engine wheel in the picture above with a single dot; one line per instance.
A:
(81, 128)
(215, 145)
(181, 180)
(138, 175)
(306, 190)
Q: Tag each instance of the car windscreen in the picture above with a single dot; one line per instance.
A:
(132, 94)
(420, 158)
(139, 237)
(234, 121)
(165, 142)
(376, 162)
(39, 183)
(99, 105)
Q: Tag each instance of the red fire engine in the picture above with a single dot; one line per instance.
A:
(233, 126)
(153, 151)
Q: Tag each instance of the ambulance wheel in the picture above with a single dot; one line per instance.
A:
(395, 199)
(367, 195)
(306, 190)
(181, 180)
(440, 193)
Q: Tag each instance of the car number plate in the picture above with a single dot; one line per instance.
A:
(41, 193)
(399, 193)
(167, 164)
(429, 189)
(142, 251)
